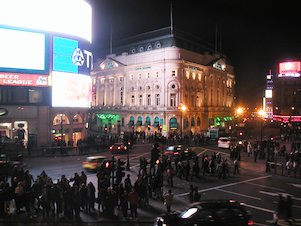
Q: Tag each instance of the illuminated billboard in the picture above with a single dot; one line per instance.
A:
(71, 90)
(290, 69)
(17, 79)
(22, 51)
(71, 17)
(268, 93)
(71, 56)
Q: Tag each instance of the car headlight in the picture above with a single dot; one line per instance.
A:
(159, 222)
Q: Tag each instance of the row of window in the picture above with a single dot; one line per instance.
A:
(24, 95)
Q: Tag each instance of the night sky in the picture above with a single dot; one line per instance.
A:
(255, 34)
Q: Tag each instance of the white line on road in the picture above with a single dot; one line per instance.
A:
(263, 186)
(259, 208)
(238, 194)
(259, 224)
(227, 185)
(276, 194)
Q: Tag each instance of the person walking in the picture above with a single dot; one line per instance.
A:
(168, 199)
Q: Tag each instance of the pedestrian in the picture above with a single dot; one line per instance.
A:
(280, 206)
(236, 166)
(289, 205)
(168, 199)
(196, 194)
(133, 200)
(191, 192)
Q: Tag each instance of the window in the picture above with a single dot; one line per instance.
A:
(157, 87)
(148, 87)
(192, 101)
(173, 86)
(172, 100)
(173, 73)
(35, 96)
(132, 88)
(157, 74)
(139, 76)
(149, 102)
(133, 100)
(140, 100)
(147, 75)
(121, 79)
(140, 88)
(157, 99)
(131, 76)
(121, 96)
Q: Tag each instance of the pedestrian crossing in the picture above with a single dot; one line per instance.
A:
(282, 222)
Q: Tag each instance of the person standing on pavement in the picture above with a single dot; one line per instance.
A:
(168, 199)
(236, 166)
(133, 199)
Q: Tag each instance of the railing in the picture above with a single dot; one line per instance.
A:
(281, 169)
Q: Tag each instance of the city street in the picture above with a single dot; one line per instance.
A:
(255, 188)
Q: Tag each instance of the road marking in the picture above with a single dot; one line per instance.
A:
(259, 208)
(263, 186)
(277, 194)
(226, 185)
(297, 185)
(259, 224)
(238, 194)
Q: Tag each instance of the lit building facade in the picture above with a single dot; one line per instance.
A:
(287, 93)
(143, 86)
(45, 63)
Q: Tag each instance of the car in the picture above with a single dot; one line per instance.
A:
(118, 148)
(180, 151)
(93, 163)
(209, 212)
(227, 142)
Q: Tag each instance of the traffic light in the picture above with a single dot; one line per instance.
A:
(120, 171)
(107, 167)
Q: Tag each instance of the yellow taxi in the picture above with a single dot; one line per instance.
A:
(93, 163)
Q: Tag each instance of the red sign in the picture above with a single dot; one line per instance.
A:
(286, 118)
(16, 79)
(289, 67)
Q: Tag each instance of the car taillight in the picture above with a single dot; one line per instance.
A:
(84, 163)
(176, 153)
(250, 222)
(94, 163)
(228, 142)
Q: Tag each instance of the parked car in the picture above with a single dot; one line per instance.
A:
(179, 151)
(118, 148)
(227, 142)
(209, 212)
(93, 163)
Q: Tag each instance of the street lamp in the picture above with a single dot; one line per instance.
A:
(62, 133)
(262, 115)
(183, 109)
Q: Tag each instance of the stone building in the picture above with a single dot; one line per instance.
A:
(162, 81)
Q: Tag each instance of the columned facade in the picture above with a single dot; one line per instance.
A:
(144, 91)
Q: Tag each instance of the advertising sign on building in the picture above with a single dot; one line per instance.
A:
(71, 56)
(290, 69)
(22, 51)
(17, 79)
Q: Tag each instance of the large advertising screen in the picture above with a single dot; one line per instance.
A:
(290, 69)
(71, 90)
(22, 50)
(71, 17)
(71, 56)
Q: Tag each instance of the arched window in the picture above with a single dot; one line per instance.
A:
(77, 119)
(192, 121)
(198, 122)
(173, 123)
(60, 118)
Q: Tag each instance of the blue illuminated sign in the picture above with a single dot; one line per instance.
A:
(70, 56)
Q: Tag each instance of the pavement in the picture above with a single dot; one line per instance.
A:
(155, 206)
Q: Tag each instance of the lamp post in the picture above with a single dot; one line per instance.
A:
(183, 109)
(261, 113)
(62, 132)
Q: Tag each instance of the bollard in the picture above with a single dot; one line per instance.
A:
(267, 167)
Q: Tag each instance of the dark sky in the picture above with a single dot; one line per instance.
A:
(255, 34)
